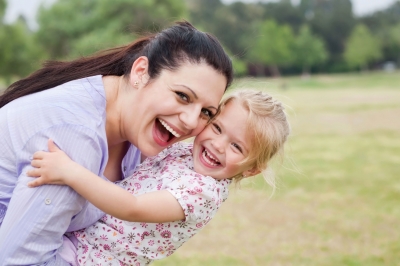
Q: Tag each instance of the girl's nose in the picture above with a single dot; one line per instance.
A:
(218, 144)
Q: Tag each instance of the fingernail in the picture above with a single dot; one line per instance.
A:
(31, 158)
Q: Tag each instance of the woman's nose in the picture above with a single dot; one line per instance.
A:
(190, 118)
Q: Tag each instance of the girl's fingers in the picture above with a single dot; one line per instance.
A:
(36, 163)
(38, 155)
(52, 146)
(35, 183)
(34, 172)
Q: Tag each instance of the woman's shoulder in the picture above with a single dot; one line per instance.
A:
(79, 101)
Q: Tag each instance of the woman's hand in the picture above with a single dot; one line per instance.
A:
(52, 167)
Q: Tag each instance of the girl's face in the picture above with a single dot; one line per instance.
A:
(172, 107)
(223, 144)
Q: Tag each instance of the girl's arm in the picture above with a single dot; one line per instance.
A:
(55, 167)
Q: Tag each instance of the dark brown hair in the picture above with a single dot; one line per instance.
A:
(167, 49)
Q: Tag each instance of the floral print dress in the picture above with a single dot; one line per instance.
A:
(111, 241)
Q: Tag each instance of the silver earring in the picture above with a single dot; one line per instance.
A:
(135, 84)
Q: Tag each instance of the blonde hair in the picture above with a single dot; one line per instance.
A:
(267, 126)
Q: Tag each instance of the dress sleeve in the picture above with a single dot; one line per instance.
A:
(199, 197)
(36, 218)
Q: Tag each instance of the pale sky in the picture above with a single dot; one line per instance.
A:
(28, 7)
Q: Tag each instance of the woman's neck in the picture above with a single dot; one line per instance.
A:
(116, 154)
(112, 87)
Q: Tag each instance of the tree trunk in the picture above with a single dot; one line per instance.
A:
(275, 71)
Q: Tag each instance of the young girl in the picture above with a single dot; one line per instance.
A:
(171, 196)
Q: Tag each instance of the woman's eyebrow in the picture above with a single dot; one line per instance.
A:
(195, 95)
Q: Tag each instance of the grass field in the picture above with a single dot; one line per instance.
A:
(338, 201)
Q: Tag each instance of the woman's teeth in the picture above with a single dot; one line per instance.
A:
(209, 158)
(169, 128)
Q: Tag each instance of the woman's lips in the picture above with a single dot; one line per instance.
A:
(161, 135)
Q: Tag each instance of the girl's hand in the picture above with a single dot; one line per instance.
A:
(52, 167)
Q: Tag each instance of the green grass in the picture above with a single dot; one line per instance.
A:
(339, 187)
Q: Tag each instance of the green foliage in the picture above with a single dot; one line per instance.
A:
(274, 45)
(361, 48)
(283, 12)
(19, 54)
(230, 23)
(309, 49)
(70, 28)
(3, 5)
(333, 21)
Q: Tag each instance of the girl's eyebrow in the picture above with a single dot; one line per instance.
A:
(241, 143)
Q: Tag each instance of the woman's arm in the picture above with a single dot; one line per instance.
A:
(55, 167)
(36, 219)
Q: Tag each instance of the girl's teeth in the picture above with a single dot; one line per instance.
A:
(169, 128)
(205, 157)
(209, 155)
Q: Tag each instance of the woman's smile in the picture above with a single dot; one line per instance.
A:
(163, 133)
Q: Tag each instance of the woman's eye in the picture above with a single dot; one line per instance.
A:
(237, 147)
(206, 113)
(183, 96)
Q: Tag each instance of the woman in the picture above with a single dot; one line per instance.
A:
(105, 112)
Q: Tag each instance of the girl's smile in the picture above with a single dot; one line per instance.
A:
(221, 147)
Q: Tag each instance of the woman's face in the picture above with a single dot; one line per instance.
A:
(172, 107)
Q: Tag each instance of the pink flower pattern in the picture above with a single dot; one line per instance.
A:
(111, 241)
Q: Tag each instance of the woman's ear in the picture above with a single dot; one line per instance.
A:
(139, 72)
(251, 172)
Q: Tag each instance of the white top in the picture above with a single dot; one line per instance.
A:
(33, 220)
(111, 241)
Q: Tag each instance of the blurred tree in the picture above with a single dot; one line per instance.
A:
(273, 46)
(19, 54)
(231, 24)
(392, 44)
(382, 19)
(333, 20)
(309, 49)
(3, 6)
(283, 12)
(70, 28)
(385, 25)
(361, 48)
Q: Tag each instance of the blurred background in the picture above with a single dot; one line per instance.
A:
(334, 63)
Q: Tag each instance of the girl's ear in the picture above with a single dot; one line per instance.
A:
(251, 172)
(139, 72)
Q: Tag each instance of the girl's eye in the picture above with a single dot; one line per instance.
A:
(183, 96)
(206, 113)
(237, 147)
(216, 127)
